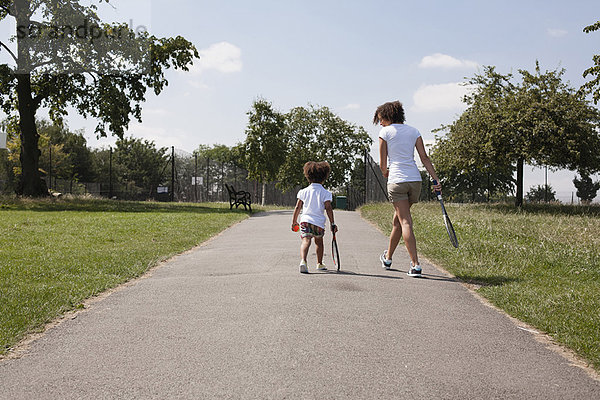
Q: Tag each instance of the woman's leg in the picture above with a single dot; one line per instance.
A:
(404, 220)
(395, 235)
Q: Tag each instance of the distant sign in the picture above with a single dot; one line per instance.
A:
(162, 189)
(2, 140)
(197, 180)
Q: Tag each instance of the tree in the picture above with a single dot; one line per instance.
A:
(540, 193)
(470, 158)
(140, 162)
(54, 160)
(593, 86)
(586, 189)
(73, 145)
(264, 150)
(317, 134)
(554, 125)
(72, 58)
(539, 121)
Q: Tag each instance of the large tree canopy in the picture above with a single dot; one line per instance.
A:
(70, 58)
(317, 134)
(539, 121)
(264, 150)
(471, 156)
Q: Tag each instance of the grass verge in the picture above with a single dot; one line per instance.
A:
(56, 253)
(540, 264)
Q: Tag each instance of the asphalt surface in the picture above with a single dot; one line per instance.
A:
(234, 319)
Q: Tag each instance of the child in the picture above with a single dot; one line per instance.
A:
(314, 200)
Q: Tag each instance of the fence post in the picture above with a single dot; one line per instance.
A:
(207, 176)
(222, 181)
(366, 175)
(110, 187)
(50, 168)
(172, 173)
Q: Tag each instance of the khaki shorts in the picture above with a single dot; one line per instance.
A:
(410, 191)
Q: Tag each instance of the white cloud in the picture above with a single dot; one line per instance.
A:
(445, 96)
(556, 32)
(439, 60)
(223, 57)
(159, 112)
(198, 84)
(351, 106)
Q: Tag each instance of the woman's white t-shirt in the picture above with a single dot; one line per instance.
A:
(401, 139)
(313, 198)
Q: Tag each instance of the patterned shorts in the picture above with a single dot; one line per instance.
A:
(310, 230)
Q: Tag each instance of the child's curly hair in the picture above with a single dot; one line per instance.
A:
(391, 111)
(316, 172)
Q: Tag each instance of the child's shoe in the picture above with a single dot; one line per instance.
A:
(303, 267)
(321, 267)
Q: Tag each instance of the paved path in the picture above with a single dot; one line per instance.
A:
(235, 319)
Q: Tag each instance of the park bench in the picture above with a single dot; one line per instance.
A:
(237, 198)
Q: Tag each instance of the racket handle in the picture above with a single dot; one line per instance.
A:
(437, 192)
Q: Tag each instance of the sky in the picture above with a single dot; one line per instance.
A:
(350, 56)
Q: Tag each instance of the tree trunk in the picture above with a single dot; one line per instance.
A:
(264, 193)
(519, 197)
(31, 180)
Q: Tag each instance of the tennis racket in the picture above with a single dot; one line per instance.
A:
(335, 253)
(447, 222)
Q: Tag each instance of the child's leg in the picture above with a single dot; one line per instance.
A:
(320, 248)
(304, 248)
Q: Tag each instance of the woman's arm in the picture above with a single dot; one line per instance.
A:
(427, 163)
(383, 157)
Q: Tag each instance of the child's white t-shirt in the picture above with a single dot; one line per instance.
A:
(313, 198)
(401, 140)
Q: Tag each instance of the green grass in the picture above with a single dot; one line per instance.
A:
(540, 264)
(56, 253)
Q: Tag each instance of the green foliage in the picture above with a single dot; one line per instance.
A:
(264, 150)
(539, 193)
(539, 120)
(102, 79)
(77, 163)
(471, 158)
(140, 162)
(593, 86)
(586, 189)
(317, 134)
(357, 176)
(278, 145)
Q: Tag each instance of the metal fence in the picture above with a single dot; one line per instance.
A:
(368, 188)
(184, 177)
(189, 177)
(201, 179)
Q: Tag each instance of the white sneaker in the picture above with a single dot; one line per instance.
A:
(415, 270)
(385, 262)
(303, 267)
(321, 267)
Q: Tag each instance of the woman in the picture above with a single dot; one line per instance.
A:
(397, 142)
